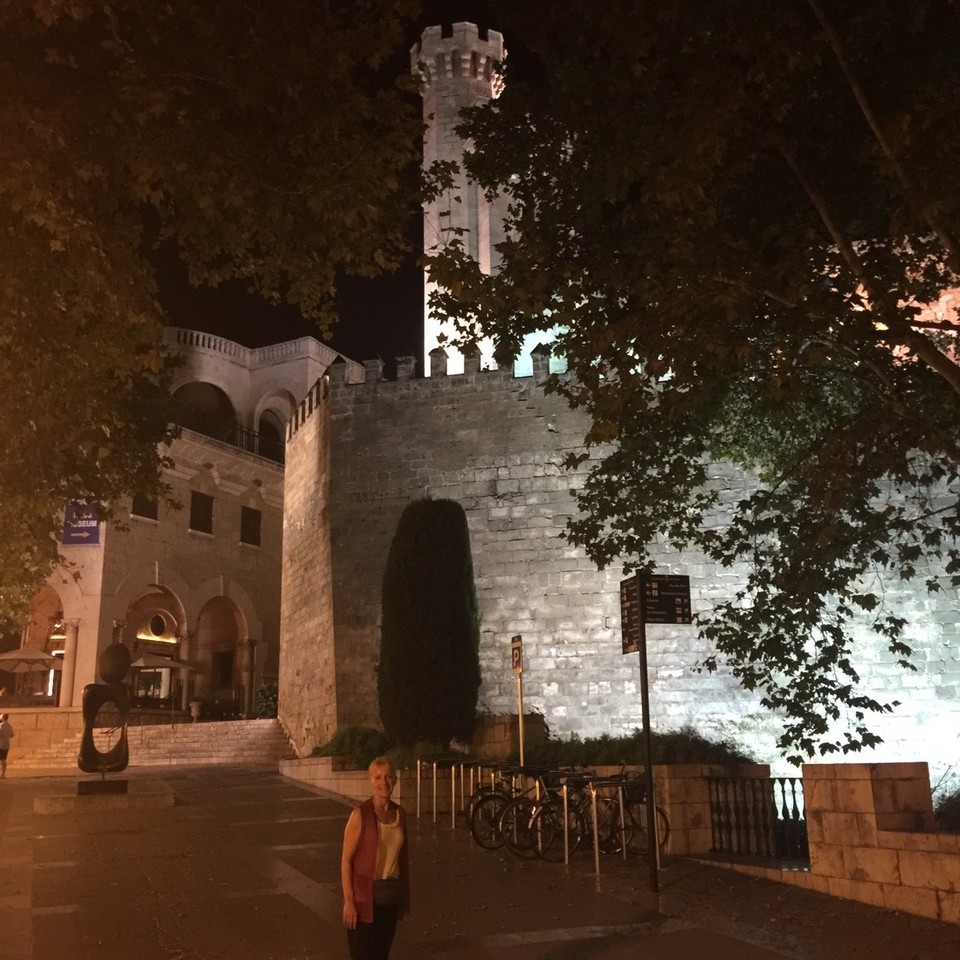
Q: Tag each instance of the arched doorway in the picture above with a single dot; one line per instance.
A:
(222, 654)
(270, 434)
(44, 628)
(153, 632)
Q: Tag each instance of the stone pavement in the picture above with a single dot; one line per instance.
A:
(244, 865)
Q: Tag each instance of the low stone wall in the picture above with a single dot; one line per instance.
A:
(871, 836)
(328, 773)
(870, 830)
(43, 738)
(498, 737)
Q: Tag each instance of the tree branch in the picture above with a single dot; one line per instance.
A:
(928, 210)
(901, 330)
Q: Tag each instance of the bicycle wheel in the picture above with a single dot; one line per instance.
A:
(611, 834)
(641, 840)
(547, 830)
(515, 826)
(485, 820)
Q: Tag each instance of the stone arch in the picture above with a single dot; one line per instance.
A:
(221, 652)
(43, 628)
(154, 625)
(44, 612)
(154, 621)
(271, 416)
(145, 577)
(205, 408)
(222, 642)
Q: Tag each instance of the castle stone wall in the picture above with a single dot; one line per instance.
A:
(307, 676)
(495, 443)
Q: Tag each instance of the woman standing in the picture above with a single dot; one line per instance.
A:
(374, 868)
(6, 735)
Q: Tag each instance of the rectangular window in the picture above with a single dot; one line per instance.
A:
(250, 526)
(144, 507)
(201, 512)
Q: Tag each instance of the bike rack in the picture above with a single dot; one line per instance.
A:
(593, 784)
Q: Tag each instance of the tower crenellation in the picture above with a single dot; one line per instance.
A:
(464, 53)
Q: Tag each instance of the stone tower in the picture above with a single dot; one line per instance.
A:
(457, 69)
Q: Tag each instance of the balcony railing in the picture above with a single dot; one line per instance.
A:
(234, 434)
(758, 817)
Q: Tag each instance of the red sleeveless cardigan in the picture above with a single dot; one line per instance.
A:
(365, 861)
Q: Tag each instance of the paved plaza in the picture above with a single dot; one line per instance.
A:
(239, 863)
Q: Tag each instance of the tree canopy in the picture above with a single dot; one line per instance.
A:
(734, 215)
(263, 142)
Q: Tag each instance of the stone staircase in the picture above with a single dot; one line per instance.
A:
(180, 744)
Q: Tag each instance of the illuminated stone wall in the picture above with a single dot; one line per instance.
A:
(307, 678)
(495, 443)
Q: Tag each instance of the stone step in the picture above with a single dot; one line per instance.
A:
(185, 743)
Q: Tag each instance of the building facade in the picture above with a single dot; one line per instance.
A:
(192, 589)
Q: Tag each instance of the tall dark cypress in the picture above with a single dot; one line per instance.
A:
(429, 674)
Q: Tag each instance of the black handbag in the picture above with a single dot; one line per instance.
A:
(387, 893)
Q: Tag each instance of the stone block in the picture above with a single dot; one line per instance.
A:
(847, 828)
(871, 864)
(948, 906)
(51, 720)
(915, 900)
(939, 871)
(909, 840)
(826, 860)
(853, 796)
(814, 819)
(865, 892)
(902, 796)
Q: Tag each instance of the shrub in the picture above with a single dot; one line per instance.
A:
(684, 746)
(947, 813)
(265, 704)
(357, 745)
(405, 758)
(429, 674)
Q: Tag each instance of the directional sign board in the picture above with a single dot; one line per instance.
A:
(665, 598)
(654, 598)
(81, 525)
(630, 624)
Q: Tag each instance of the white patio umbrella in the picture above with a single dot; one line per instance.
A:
(155, 661)
(28, 660)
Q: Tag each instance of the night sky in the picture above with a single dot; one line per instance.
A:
(378, 318)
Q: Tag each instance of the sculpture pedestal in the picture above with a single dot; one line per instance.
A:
(85, 787)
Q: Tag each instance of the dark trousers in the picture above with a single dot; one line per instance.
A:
(372, 941)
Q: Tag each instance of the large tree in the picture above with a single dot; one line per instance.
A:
(267, 142)
(733, 213)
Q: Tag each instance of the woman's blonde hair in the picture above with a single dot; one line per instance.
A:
(382, 762)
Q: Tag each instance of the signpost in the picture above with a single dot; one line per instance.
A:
(516, 665)
(650, 598)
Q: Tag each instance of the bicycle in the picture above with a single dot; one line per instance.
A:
(535, 827)
(485, 808)
(634, 832)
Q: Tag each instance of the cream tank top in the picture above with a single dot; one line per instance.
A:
(389, 844)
